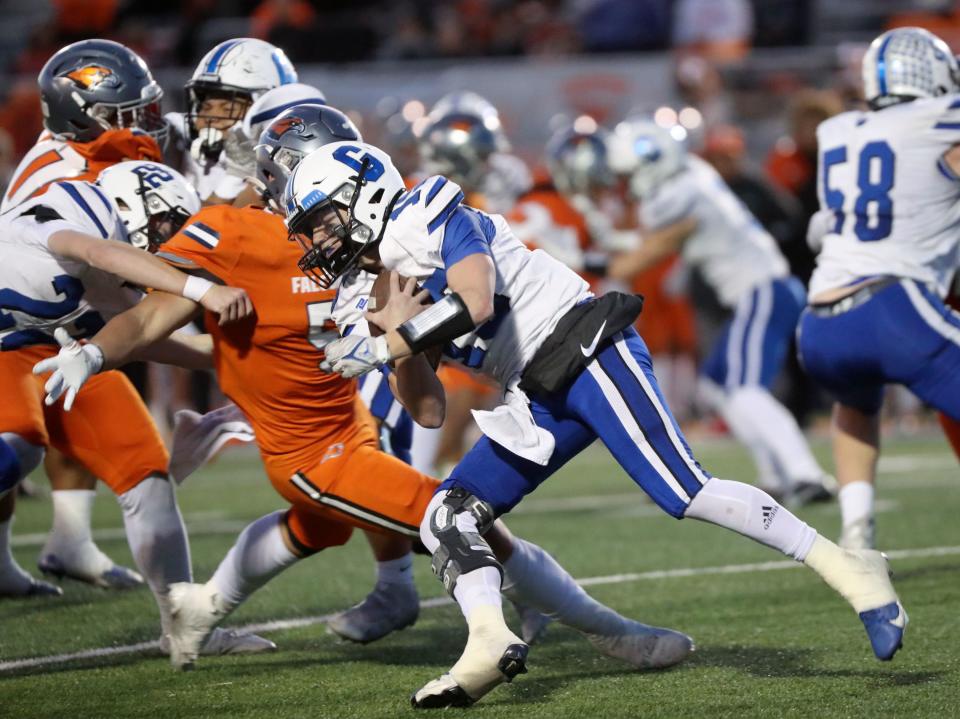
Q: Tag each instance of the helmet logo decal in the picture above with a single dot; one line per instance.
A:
(285, 124)
(345, 154)
(93, 76)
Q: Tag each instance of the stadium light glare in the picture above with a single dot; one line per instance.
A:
(665, 116)
(413, 110)
(690, 118)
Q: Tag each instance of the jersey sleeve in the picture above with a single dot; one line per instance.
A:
(205, 245)
(79, 207)
(351, 302)
(466, 232)
(673, 202)
(418, 222)
(118, 145)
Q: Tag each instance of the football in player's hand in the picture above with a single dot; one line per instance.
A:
(380, 295)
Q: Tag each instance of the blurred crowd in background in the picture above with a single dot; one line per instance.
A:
(749, 82)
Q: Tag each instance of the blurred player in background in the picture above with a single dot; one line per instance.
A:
(100, 106)
(889, 226)
(686, 208)
(580, 165)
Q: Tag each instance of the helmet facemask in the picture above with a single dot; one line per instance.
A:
(143, 114)
(333, 240)
(162, 220)
(208, 134)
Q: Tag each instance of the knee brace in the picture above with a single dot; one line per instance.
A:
(17, 459)
(462, 549)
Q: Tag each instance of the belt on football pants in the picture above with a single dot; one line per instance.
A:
(851, 302)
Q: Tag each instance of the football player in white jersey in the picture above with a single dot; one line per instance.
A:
(572, 370)
(100, 106)
(889, 225)
(228, 80)
(686, 207)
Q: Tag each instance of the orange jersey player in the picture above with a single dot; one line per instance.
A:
(53, 159)
(316, 441)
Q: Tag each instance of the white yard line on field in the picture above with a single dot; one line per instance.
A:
(296, 623)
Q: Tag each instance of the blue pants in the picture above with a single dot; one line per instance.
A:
(904, 334)
(396, 425)
(753, 345)
(616, 399)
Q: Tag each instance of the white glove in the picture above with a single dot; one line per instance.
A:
(72, 367)
(239, 158)
(354, 355)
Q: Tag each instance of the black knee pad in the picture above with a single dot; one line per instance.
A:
(461, 552)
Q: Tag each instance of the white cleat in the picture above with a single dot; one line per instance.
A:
(227, 641)
(643, 646)
(493, 655)
(388, 608)
(195, 609)
(86, 563)
(859, 535)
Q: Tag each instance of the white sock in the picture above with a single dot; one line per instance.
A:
(72, 509)
(157, 538)
(12, 577)
(757, 416)
(860, 577)
(753, 513)
(258, 555)
(856, 502)
(534, 578)
(479, 588)
(396, 571)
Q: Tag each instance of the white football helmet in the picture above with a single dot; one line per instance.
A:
(338, 202)
(646, 153)
(907, 63)
(153, 200)
(240, 71)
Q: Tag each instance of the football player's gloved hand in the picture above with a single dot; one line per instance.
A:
(238, 157)
(354, 355)
(72, 367)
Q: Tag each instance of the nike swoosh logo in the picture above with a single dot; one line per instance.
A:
(587, 351)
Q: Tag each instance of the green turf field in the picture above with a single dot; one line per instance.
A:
(772, 641)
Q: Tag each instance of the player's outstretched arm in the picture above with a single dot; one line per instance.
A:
(143, 269)
(656, 246)
(130, 335)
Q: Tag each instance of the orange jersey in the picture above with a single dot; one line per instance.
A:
(51, 160)
(268, 364)
(543, 219)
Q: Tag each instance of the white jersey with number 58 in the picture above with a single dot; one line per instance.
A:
(895, 203)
